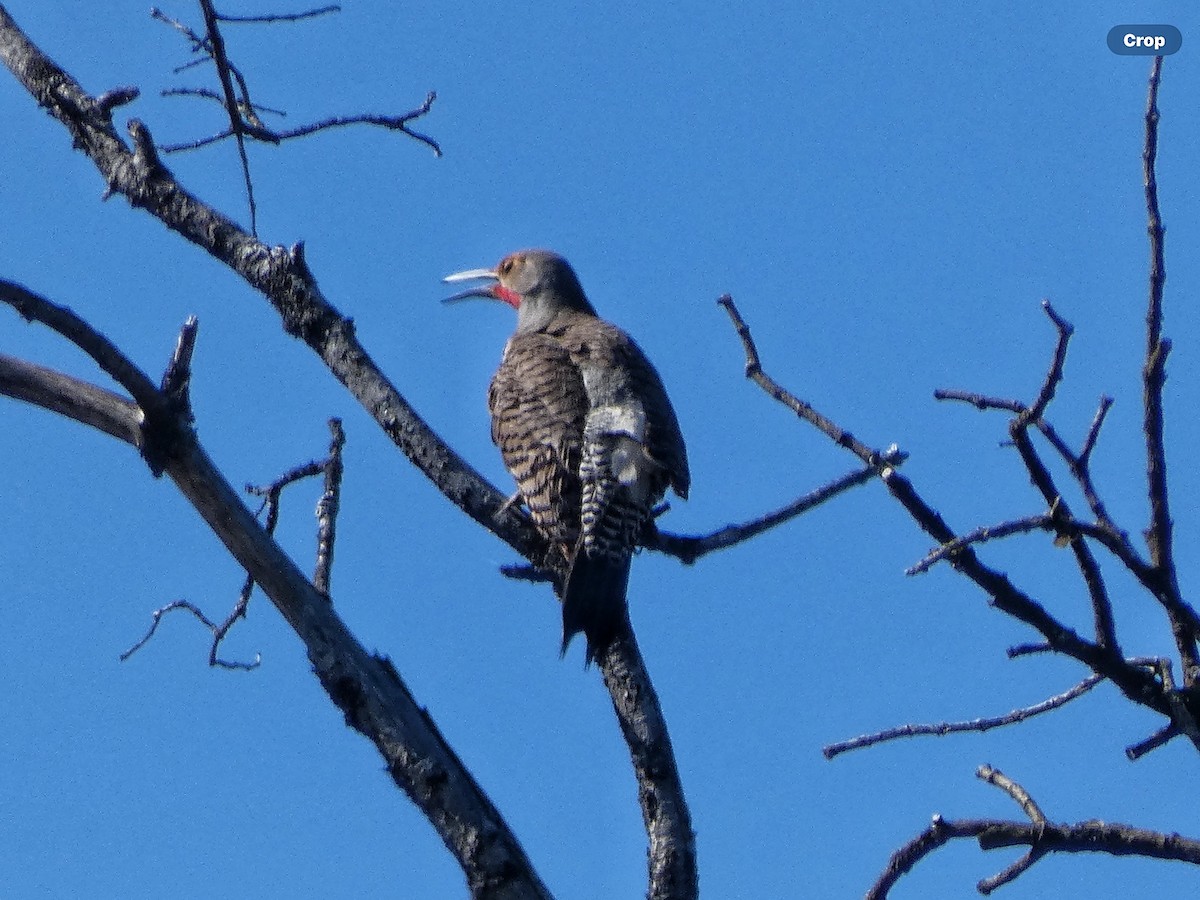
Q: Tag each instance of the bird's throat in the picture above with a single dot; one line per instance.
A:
(511, 297)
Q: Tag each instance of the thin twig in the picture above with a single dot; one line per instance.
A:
(218, 633)
(1160, 534)
(1089, 443)
(689, 548)
(999, 779)
(207, 94)
(1055, 375)
(1167, 733)
(979, 401)
(393, 123)
(216, 44)
(942, 729)
(979, 536)
(199, 44)
(282, 17)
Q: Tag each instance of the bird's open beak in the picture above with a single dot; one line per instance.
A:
(480, 290)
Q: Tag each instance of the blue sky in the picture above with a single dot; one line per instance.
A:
(888, 192)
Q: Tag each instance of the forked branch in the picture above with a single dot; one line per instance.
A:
(1040, 835)
(283, 276)
(243, 113)
(364, 686)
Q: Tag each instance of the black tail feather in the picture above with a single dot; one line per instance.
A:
(594, 601)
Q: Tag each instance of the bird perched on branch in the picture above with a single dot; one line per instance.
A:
(585, 427)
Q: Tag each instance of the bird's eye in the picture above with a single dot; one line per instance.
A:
(506, 265)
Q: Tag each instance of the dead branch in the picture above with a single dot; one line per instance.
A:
(1136, 683)
(364, 686)
(219, 630)
(283, 276)
(242, 112)
(281, 17)
(1102, 614)
(980, 535)
(328, 507)
(672, 853)
(1160, 534)
(275, 136)
(689, 548)
(1041, 836)
(941, 729)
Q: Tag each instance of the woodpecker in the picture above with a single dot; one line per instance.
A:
(586, 429)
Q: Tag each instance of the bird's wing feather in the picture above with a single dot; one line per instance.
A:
(626, 395)
(538, 405)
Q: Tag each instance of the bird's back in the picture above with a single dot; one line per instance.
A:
(538, 406)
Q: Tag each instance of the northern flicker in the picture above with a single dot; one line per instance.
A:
(585, 427)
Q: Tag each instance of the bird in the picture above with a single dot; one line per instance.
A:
(586, 429)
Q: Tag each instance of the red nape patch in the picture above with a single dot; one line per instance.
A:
(512, 298)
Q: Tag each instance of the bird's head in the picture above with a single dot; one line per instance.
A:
(536, 283)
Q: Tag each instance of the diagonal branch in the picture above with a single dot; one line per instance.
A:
(283, 277)
(689, 548)
(941, 729)
(1102, 613)
(805, 411)
(1136, 683)
(364, 686)
(979, 536)
(281, 274)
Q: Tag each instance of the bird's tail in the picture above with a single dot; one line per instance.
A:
(594, 601)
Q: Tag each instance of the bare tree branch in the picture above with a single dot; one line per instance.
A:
(689, 548)
(1104, 627)
(70, 397)
(275, 136)
(942, 729)
(218, 632)
(980, 535)
(1039, 835)
(283, 276)
(1136, 683)
(328, 507)
(364, 686)
(1160, 535)
(281, 17)
(672, 853)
